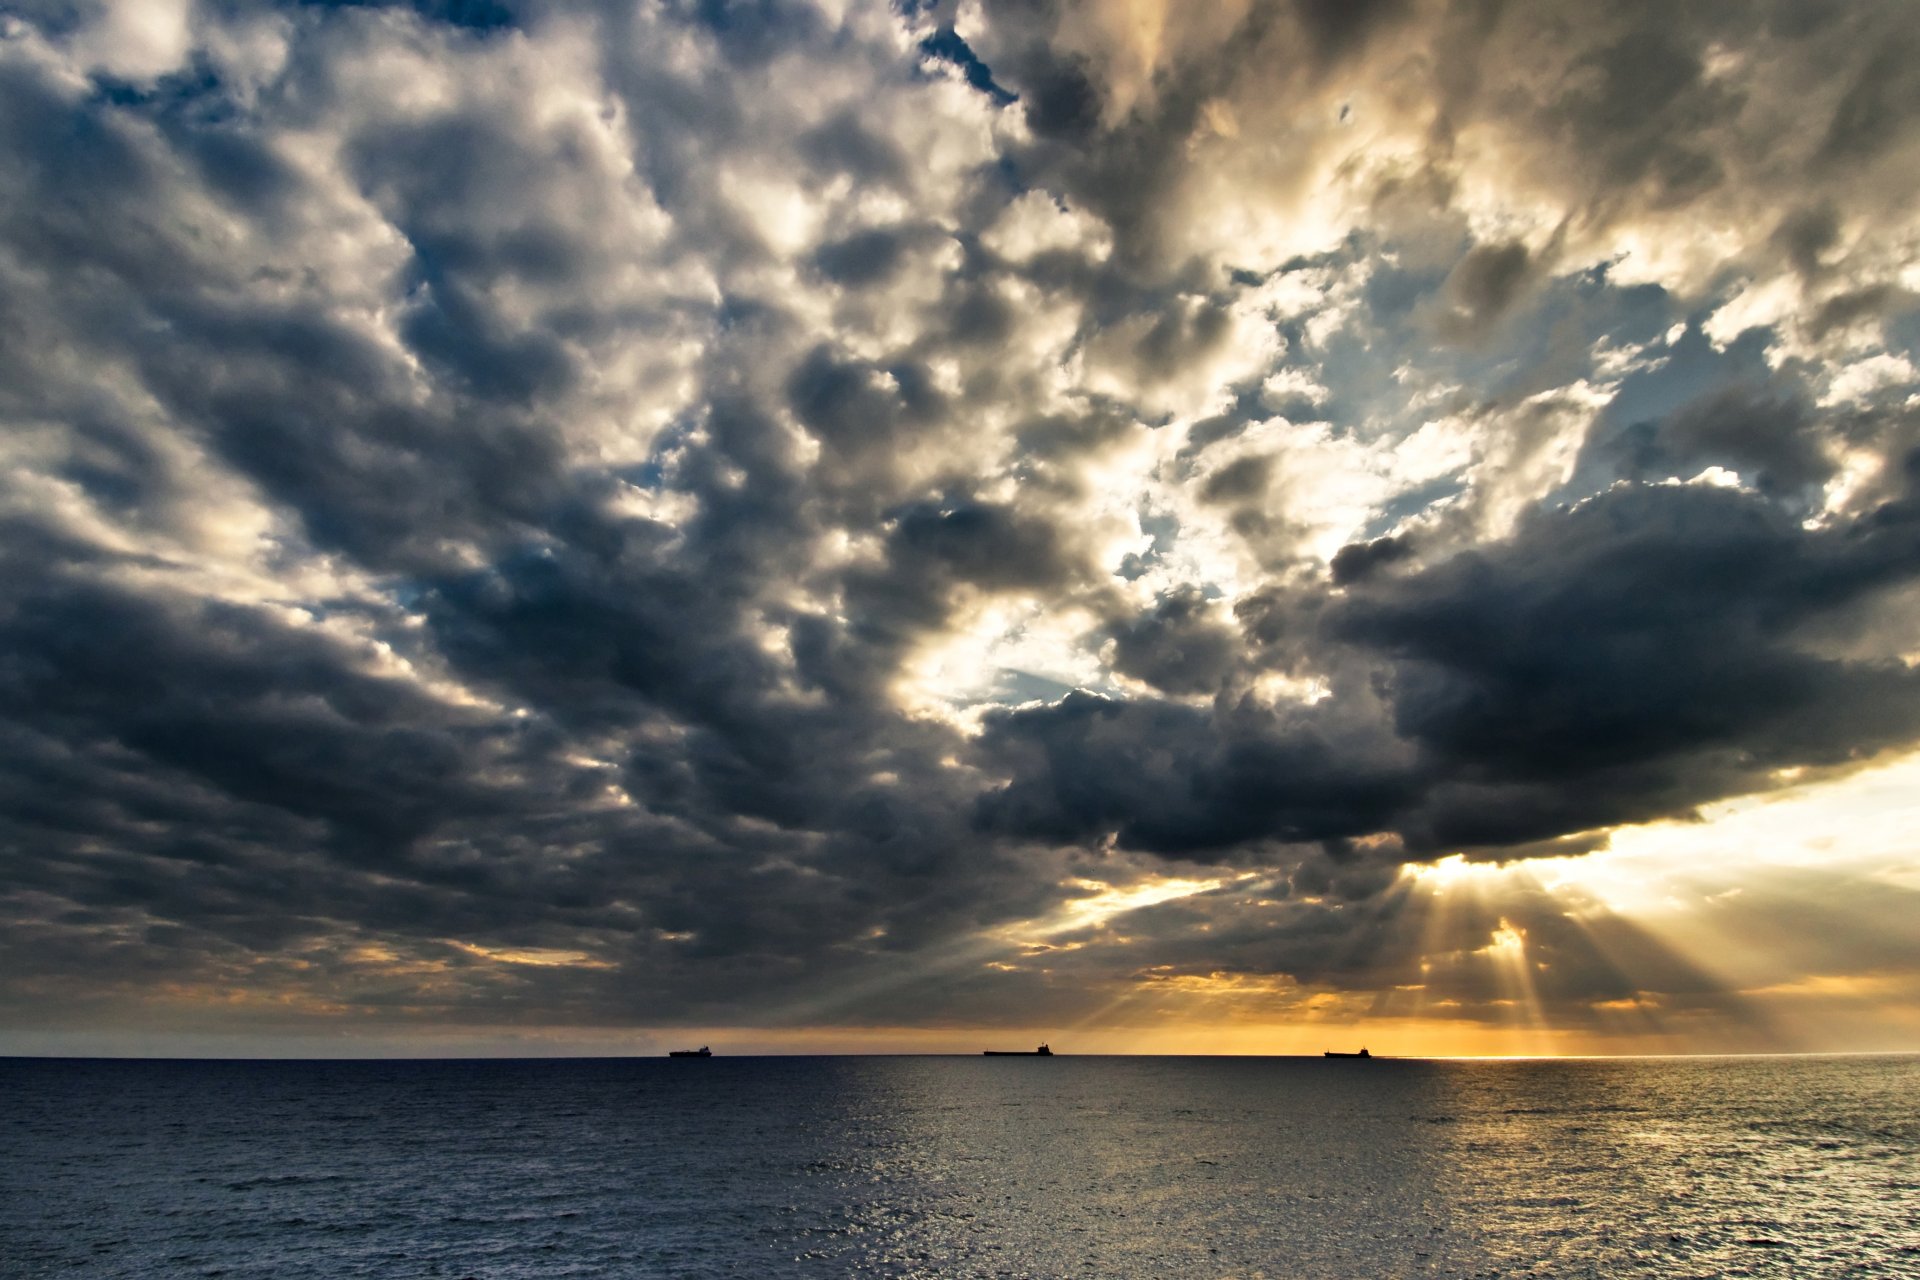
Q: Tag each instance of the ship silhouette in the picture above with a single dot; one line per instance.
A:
(1041, 1052)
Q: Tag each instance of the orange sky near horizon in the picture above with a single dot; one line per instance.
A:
(1670, 879)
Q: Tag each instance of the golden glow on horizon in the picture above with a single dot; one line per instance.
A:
(1692, 893)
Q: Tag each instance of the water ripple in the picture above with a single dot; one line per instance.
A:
(960, 1167)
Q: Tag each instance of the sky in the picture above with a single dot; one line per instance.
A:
(813, 526)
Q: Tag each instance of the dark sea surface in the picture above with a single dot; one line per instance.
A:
(1122, 1167)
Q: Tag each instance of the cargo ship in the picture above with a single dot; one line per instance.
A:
(1041, 1052)
(1362, 1054)
(701, 1052)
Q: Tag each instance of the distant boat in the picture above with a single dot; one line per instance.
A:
(1041, 1052)
(1362, 1054)
(701, 1052)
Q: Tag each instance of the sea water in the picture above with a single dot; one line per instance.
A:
(1070, 1166)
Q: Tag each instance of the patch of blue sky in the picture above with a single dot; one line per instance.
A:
(1694, 367)
(1013, 688)
(946, 45)
(1902, 332)
(1411, 502)
(1375, 367)
(657, 472)
(196, 91)
(472, 15)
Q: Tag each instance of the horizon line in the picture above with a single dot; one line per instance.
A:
(663, 1054)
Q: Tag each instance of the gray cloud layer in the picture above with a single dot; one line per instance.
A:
(524, 513)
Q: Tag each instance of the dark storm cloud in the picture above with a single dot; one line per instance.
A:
(1632, 657)
(856, 409)
(252, 711)
(986, 546)
(296, 768)
(1358, 559)
(308, 407)
(246, 785)
(1177, 780)
(1181, 646)
(485, 484)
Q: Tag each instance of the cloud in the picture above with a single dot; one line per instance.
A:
(1619, 661)
(733, 511)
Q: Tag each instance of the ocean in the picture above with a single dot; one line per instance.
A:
(948, 1166)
